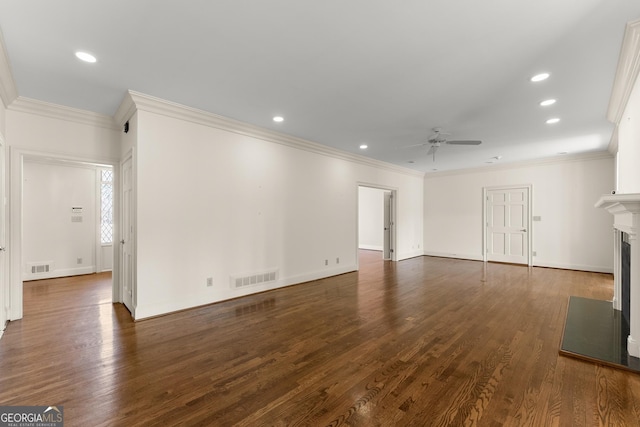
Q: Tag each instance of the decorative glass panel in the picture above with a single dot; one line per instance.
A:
(106, 206)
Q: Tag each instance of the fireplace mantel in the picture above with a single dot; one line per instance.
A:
(625, 209)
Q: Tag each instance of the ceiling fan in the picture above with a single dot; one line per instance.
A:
(438, 138)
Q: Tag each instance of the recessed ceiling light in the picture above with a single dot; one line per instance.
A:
(563, 152)
(364, 146)
(540, 77)
(278, 119)
(410, 161)
(552, 121)
(548, 102)
(86, 57)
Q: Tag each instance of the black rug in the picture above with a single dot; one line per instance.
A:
(596, 332)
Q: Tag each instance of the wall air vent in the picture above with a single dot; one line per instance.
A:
(40, 267)
(238, 282)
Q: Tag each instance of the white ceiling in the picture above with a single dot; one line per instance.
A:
(341, 73)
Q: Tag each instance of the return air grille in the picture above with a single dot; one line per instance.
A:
(254, 279)
(40, 267)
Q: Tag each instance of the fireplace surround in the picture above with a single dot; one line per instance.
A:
(625, 209)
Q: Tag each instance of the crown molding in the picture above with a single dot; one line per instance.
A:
(125, 111)
(581, 157)
(8, 91)
(626, 73)
(60, 112)
(138, 101)
(613, 142)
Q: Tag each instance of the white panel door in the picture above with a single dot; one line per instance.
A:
(507, 225)
(127, 240)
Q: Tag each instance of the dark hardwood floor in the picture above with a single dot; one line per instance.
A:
(422, 342)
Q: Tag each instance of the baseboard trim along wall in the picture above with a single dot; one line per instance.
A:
(59, 273)
(406, 255)
(452, 255)
(196, 300)
(371, 247)
(536, 263)
(578, 267)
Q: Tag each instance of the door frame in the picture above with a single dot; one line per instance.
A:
(4, 276)
(17, 159)
(387, 220)
(129, 156)
(394, 215)
(485, 225)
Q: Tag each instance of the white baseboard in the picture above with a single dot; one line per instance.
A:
(471, 257)
(371, 248)
(407, 255)
(226, 293)
(578, 267)
(60, 273)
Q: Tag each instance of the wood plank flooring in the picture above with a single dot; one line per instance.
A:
(422, 342)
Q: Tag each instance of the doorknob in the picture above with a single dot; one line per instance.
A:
(2, 248)
(524, 229)
(122, 241)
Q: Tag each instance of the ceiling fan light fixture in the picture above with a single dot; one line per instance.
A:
(540, 77)
(547, 102)
(86, 57)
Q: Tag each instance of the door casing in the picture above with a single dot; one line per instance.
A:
(127, 235)
(485, 192)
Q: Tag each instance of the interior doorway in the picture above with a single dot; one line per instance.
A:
(81, 254)
(376, 220)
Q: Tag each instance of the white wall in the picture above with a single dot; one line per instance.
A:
(571, 234)
(50, 191)
(213, 203)
(68, 138)
(629, 145)
(370, 218)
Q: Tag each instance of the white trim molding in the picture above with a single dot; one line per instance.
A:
(60, 112)
(134, 101)
(580, 157)
(625, 209)
(8, 91)
(626, 73)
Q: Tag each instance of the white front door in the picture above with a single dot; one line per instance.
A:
(507, 225)
(127, 238)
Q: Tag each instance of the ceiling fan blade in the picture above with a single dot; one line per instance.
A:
(469, 142)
